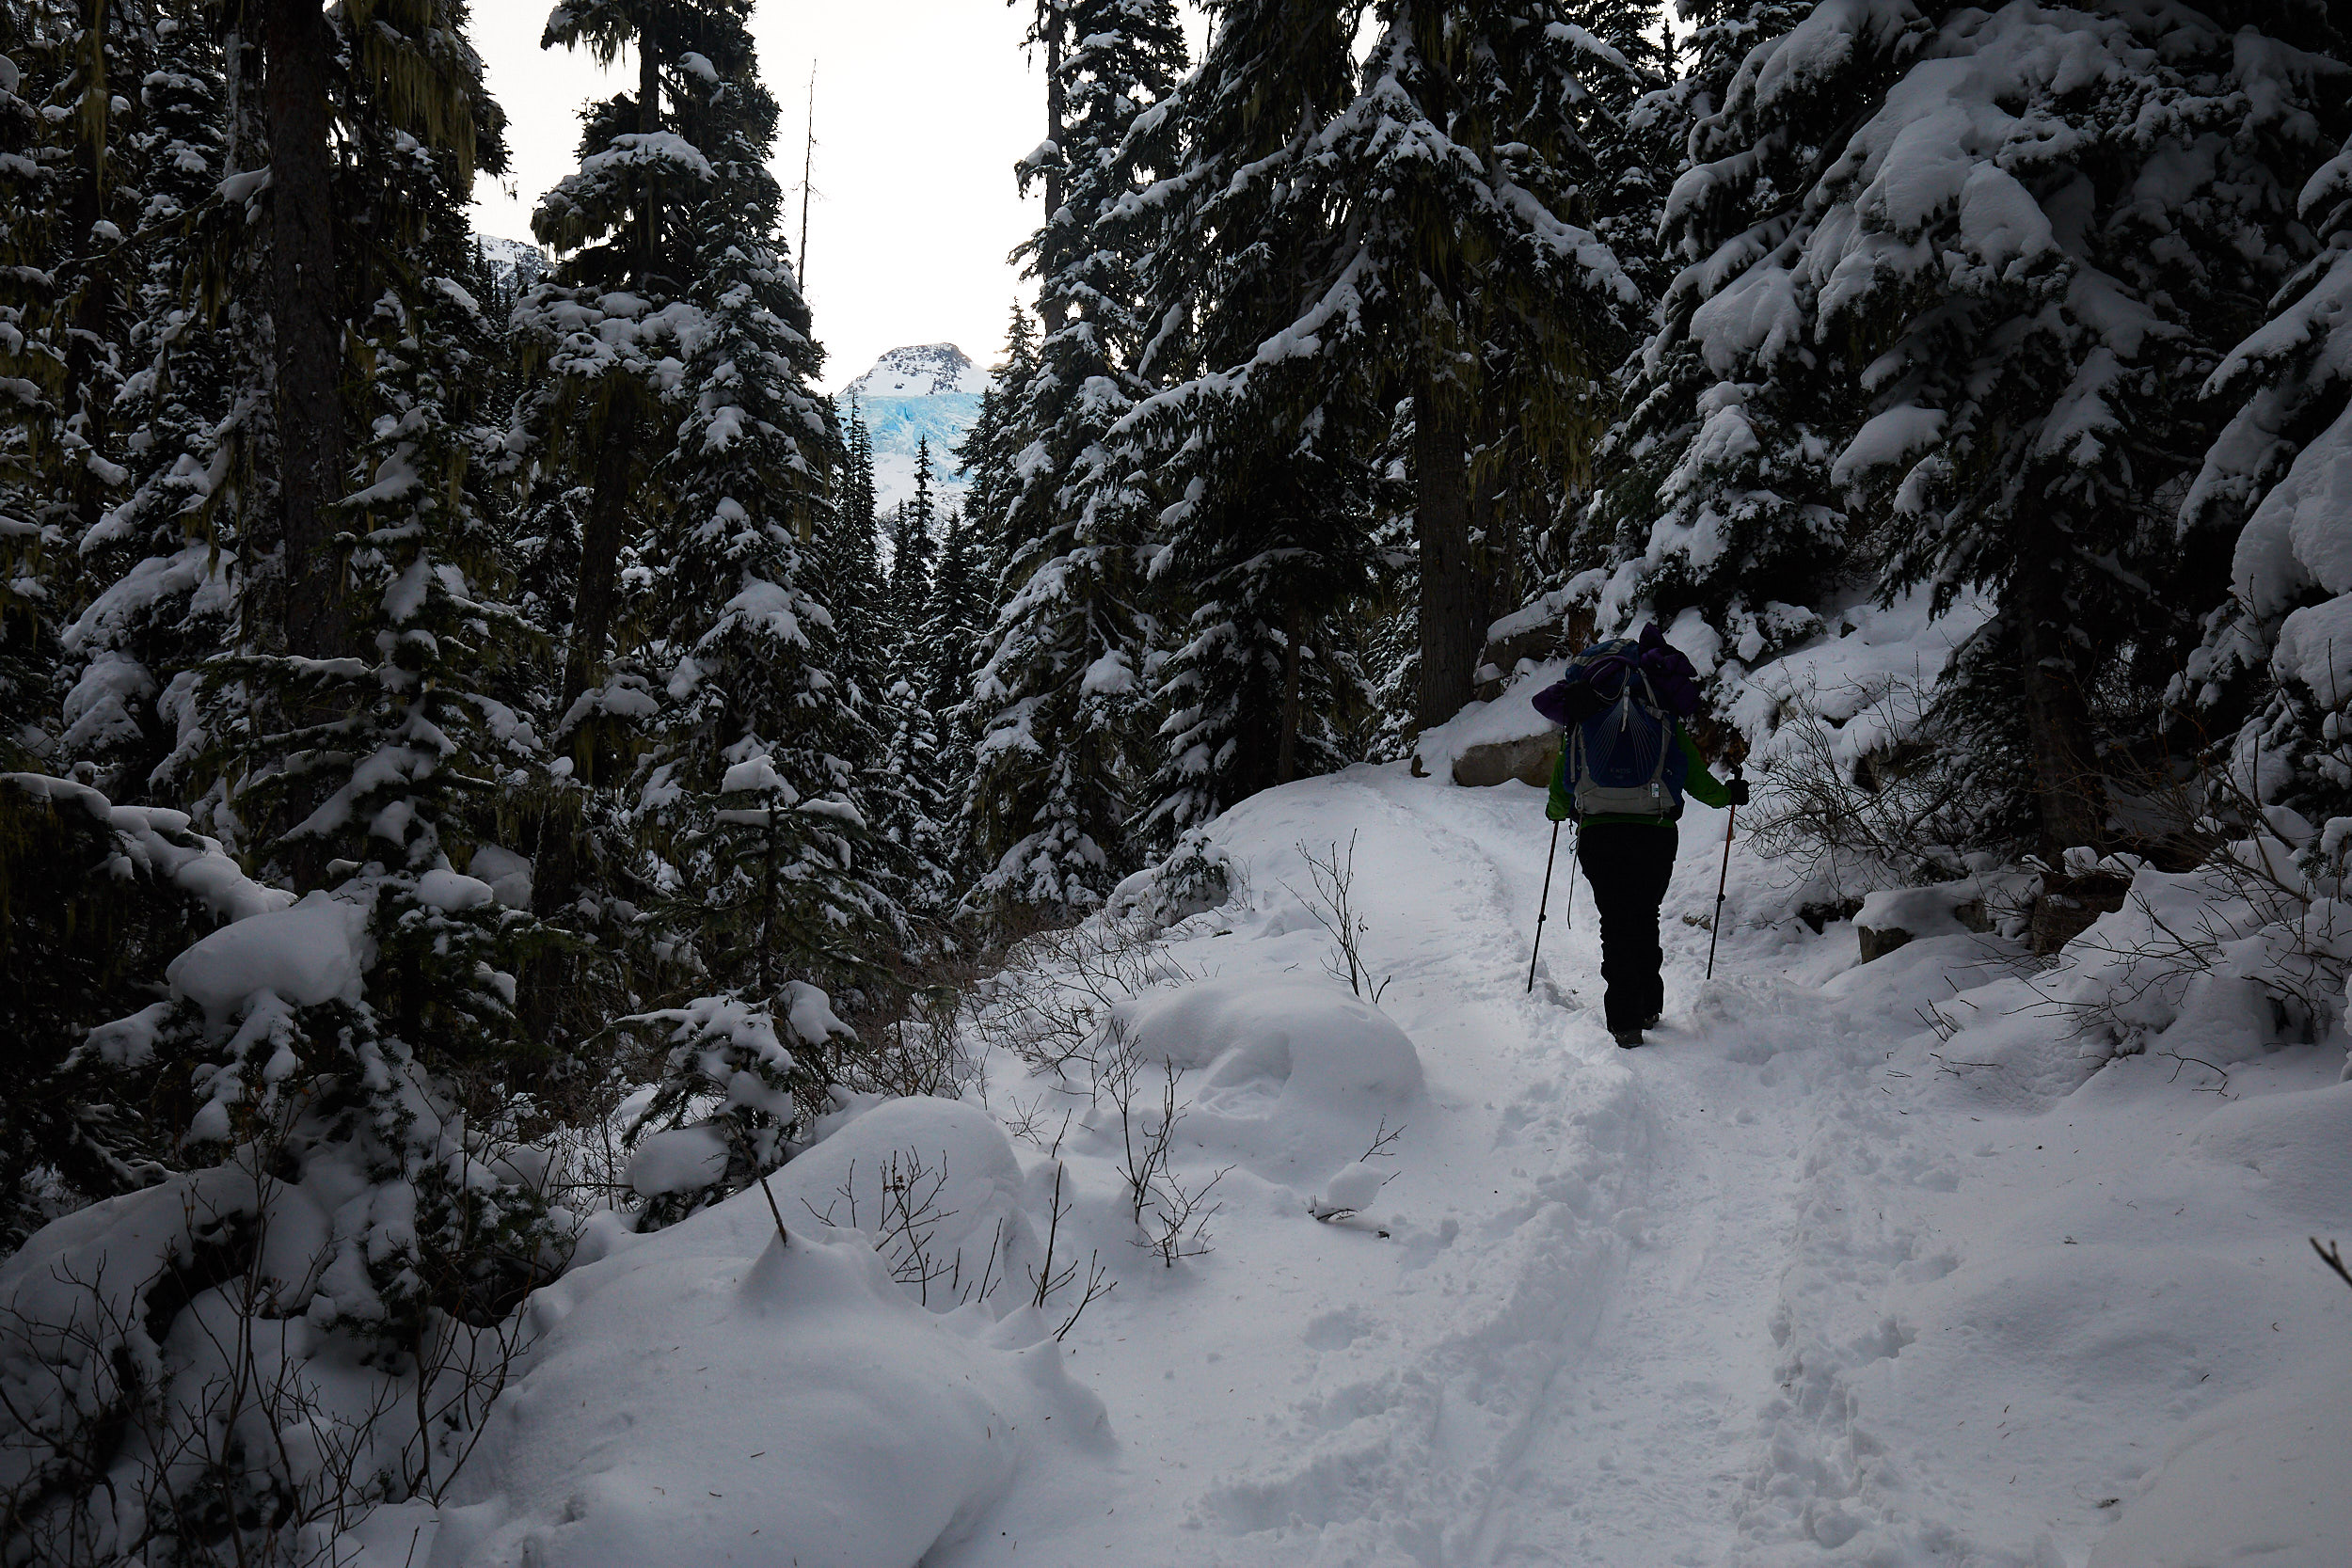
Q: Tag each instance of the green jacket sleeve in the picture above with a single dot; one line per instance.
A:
(1700, 784)
(1561, 805)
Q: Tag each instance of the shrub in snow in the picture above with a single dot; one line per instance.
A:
(95, 899)
(1198, 876)
(2209, 967)
(738, 1080)
(935, 1187)
(308, 1060)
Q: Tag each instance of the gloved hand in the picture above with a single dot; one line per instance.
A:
(1737, 790)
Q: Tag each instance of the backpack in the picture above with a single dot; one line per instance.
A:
(1624, 757)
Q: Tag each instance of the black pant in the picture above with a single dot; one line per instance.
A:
(1629, 864)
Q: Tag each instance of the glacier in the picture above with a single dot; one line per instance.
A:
(921, 390)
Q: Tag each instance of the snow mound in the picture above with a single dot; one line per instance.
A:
(2257, 1482)
(1298, 1076)
(2299, 1144)
(791, 1407)
(906, 1158)
(677, 1161)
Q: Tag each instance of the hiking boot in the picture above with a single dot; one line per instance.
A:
(1651, 1021)
(1628, 1037)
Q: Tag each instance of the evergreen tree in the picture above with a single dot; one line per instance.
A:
(953, 623)
(161, 589)
(2024, 330)
(857, 589)
(1634, 125)
(986, 456)
(1264, 459)
(1462, 168)
(914, 541)
(1061, 686)
(364, 782)
(2273, 674)
(745, 785)
(28, 647)
(69, 178)
(1715, 493)
(604, 328)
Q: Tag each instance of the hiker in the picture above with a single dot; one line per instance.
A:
(1622, 771)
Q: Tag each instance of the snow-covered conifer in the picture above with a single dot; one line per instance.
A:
(2276, 660)
(986, 456)
(1260, 541)
(915, 541)
(70, 180)
(1711, 492)
(1060, 687)
(745, 786)
(2026, 314)
(161, 591)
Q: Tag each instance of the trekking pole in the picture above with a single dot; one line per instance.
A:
(1715, 926)
(1541, 908)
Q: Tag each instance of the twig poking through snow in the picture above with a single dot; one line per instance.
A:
(2331, 1253)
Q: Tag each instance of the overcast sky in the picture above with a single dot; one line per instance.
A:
(922, 108)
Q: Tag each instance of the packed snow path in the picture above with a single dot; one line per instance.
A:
(1874, 1265)
(1634, 1308)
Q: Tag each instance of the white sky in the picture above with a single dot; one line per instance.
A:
(922, 108)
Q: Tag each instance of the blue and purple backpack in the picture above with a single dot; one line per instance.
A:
(1621, 702)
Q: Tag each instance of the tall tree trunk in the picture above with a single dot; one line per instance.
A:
(83, 403)
(2057, 721)
(648, 121)
(556, 870)
(1293, 674)
(306, 331)
(1451, 625)
(1052, 309)
(600, 552)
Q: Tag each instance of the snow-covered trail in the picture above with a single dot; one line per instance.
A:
(1559, 1353)
(1661, 1306)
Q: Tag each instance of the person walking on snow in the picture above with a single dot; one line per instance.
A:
(1624, 769)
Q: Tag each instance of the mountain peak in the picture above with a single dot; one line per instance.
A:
(920, 369)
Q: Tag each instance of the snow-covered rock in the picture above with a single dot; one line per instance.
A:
(919, 371)
(1893, 916)
(1489, 742)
